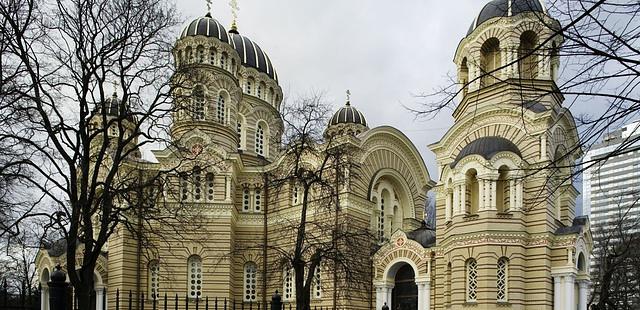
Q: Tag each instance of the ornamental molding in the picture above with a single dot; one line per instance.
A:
(509, 239)
(398, 242)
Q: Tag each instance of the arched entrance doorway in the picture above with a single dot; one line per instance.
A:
(405, 290)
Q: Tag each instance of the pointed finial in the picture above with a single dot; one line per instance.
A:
(208, 6)
(115, 87)
(234, 27)
(348, 97)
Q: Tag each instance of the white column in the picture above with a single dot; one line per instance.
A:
(487, 194)
(424, 298)
(557, 293)
(512, 195)
(447, 208)
(543, 147)
(389, 293)
(519, 195)
(582, 294)
(381, 291)
(44, 298)
(99, 294)
(481, 193)
(493, 206)
(463, 198)
(227, 181)
(568, 292)
(456, 200)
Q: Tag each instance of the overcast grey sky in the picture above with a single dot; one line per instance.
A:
(383, 51)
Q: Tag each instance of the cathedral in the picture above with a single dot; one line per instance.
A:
(506, 234)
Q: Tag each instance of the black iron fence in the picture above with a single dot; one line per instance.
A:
(25, 300)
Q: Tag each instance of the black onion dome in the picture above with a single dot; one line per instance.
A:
(110, 106)
(348, 115)
(206, 26)
(251, 54)
(487, 147)
(505, 8)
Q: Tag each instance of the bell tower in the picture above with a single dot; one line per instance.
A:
(505, 185)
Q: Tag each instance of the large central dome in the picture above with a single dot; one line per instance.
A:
(251, 54)
(206, 26)
(505, 8)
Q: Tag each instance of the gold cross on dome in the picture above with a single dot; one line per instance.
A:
(208, 5)
(115, 85)
(348, 95)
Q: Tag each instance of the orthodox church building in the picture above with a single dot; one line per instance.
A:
(506, 233)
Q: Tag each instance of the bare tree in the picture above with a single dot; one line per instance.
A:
(314, 171)
(77, 138)
(598, 73)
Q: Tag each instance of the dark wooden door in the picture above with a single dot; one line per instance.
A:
(405, 292)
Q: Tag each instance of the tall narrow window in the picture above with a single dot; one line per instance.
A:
(257, 200)
(448, 283)
(295, 194)
(317, 283)
(490, 62)
(472, 279)
(198, 104)
(221, 109)
(246, 200)
(260, 90)
(260, 140)
(464, 77)
(502, 284)
(250, 281)
(223, 61)
(503, 190)
(272, 97)
(472, 198)
(528, 64)
(210, 186)
(195, 276)
(200, 53)
(240, 128)
(197, 184)
(248, 86)
(288, 286)
(184, 187)
(212, 56)
(153, 281)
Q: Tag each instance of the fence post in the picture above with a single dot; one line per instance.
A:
(276, 301)
(58, 290)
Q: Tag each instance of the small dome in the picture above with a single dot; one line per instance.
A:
(486, 147)
(251, 54)
(111, 106)
(506, 8)
(206, 26)
(348, 115)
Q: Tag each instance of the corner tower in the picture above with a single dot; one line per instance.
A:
(506, 221)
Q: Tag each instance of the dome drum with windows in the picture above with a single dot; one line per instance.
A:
(348, 121)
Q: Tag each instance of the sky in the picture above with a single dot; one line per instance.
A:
(384, 52)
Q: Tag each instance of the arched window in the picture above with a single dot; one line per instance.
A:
(248, 87)
(180, 60)
(184, 187)
(189, 54)
(200, 53)
(449, 202)
(472, 279)
(210, 186)
(385, 199)
(502, 280)
(528, 59)
(317, 283)
(555, 61)
(246, 200)
(272, 97)
(240, 128)
(257, 200)
(194, 276)
(490, 61)
(221, 108)
(295, 195)
(250, 281)
(472, 198)
(197, 183)
(288, 287)
(212, 56)
(582, 263)
(503, 190)
(153, 280)
(198, 103)
(259, 141)
(463, 76)
(223, 61)
(260, 91)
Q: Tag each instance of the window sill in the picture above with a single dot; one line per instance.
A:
(470, 303)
